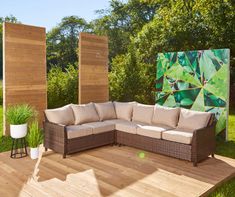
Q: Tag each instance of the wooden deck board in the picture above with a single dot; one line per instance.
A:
(111, 171)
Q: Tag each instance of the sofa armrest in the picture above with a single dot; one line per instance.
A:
(203, 143)
(55, 136)
(55, 124)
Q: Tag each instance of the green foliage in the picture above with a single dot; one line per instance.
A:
(34, 136)
(19, 114)
(117, 77)
(5, 141)
(148, 27)
(225, 190)
(186, 25)
(121, 21)
(189, 25)
(62, 86)
(231, 124)
(62, 41)
(128, 79)
(1, 92)
(62, 60)
(226, 149)
(1, 121)
(171, 26)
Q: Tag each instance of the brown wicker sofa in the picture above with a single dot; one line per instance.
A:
(179, 133)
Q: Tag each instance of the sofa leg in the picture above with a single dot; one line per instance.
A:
(64, 155)
(194, 164)
(213, 155)
(119, 145)
(46, 149)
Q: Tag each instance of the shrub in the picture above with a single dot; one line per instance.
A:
(34, 136)
(1, 93)
(130, 79)
(19, 114)
(62, 87)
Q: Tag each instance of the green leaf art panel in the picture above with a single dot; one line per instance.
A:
(196, 80)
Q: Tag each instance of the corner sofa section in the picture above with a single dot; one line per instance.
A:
(176, 132)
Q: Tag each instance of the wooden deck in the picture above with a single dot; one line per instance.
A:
(111, 171)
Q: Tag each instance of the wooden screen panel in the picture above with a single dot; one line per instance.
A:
(24, 67)
(93, 68)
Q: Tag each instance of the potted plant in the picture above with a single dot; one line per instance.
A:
(18, 116)
(34, 139)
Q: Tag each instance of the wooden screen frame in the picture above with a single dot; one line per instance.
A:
(93, 68)
(24, 68)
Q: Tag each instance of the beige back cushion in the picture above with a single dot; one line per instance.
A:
(143, 113)
(124, 110)
(105, 111)
(192, 120)
(166, 115)
(85, 113)
(63, 115)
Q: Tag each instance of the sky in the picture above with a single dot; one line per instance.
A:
(48, 13)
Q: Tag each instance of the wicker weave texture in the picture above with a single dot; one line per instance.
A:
(90, 141)
(54, 137)
(173, 149)
(203, 142)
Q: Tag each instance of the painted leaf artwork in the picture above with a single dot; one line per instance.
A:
(197, 80)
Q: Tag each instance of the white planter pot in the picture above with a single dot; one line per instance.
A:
(18, 131)
(34, 153)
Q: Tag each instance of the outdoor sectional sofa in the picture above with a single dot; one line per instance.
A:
(176, 132)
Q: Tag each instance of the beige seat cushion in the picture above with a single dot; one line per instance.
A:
(105, 111)
(124, 110)
(192, 120)
(75, 131)
(152, 131)
(143, 113)
(166, 115)
(128, 127)
(100, 127)
(114, 121)
(178, 136)
(85, 113)
(63, 115)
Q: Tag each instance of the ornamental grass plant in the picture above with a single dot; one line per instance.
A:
(20, 114)
(35, 135)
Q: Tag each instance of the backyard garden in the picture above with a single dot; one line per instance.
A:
(137, 31)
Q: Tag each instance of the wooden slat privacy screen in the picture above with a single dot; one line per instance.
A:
(93, 68)
(24, 67)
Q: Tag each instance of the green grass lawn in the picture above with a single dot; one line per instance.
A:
(227, 149)
(222, 148)
(5, 142)
(1, 120)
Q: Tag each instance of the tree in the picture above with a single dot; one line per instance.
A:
(179, 26)
(122, 21)
(62, 86)
(189, 25)
(129, 78)
(10, 19)
(62, 41)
